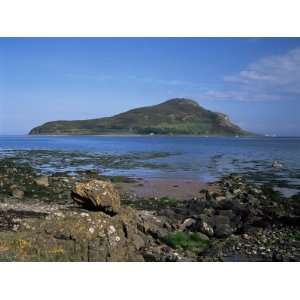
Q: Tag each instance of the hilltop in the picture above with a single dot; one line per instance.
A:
(175, 116)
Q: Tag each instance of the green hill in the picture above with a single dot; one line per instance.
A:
(175, 116)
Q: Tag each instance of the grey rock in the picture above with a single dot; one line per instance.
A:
(236, 191)
(205, 228)
(277, 165)
(222, 226)
(150, 224)
(187, 224)
(138, 241)
(42, 181)
(223, 230)
(220, 198)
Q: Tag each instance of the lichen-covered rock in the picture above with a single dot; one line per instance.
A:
(97, 194)
(74, 235)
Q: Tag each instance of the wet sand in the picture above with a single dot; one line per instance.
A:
(158, 188)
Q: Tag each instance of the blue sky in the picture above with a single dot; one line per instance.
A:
(256, 81)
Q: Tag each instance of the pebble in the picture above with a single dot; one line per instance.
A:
(246, 236)
(15, 227)
(236, 191)
(84, 215)
(59, 214)
(111, 229)
(26, 225)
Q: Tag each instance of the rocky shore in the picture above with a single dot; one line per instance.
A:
(229, 220)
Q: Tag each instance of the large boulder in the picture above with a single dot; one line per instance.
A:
(97, 194)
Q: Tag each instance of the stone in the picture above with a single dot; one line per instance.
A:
(229, 196)
(19, 194)
(236, 191)
(42, 181)
(205, 228)
(138, 241)
(149, 224)
(187, 224)
(84, 215)
(220, 198)
(222, 227)
(202, 236)
(256, 191)
(209, 195)
(246, 236)
(277, 165)
(208, 212)
(227, 212)
(252, 200)
(97, 194)
(223, 230)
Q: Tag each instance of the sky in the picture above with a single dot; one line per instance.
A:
(256, 81)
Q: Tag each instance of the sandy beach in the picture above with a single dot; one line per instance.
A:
(158, 188)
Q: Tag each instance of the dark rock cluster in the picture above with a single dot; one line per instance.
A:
(242, 221)
(232, 220)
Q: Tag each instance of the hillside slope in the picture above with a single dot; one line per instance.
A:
(175, 116)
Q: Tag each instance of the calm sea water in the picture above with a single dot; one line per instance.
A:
(192, 157)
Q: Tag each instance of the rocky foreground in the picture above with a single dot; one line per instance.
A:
(85, 218)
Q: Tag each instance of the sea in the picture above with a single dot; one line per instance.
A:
(164, 157)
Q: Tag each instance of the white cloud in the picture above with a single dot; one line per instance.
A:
(239, 95)
(271, 78)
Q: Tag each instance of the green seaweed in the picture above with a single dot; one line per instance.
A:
(194, 242)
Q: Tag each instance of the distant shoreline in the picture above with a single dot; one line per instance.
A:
(146, 135)
(143, 135)
(163, 135)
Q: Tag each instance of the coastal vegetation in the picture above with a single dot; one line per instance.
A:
(177, 116)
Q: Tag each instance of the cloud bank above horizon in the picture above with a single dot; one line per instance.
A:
(270, 78)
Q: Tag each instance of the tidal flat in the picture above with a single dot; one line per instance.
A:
(236, 217)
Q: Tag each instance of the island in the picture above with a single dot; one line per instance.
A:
(177, 116)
